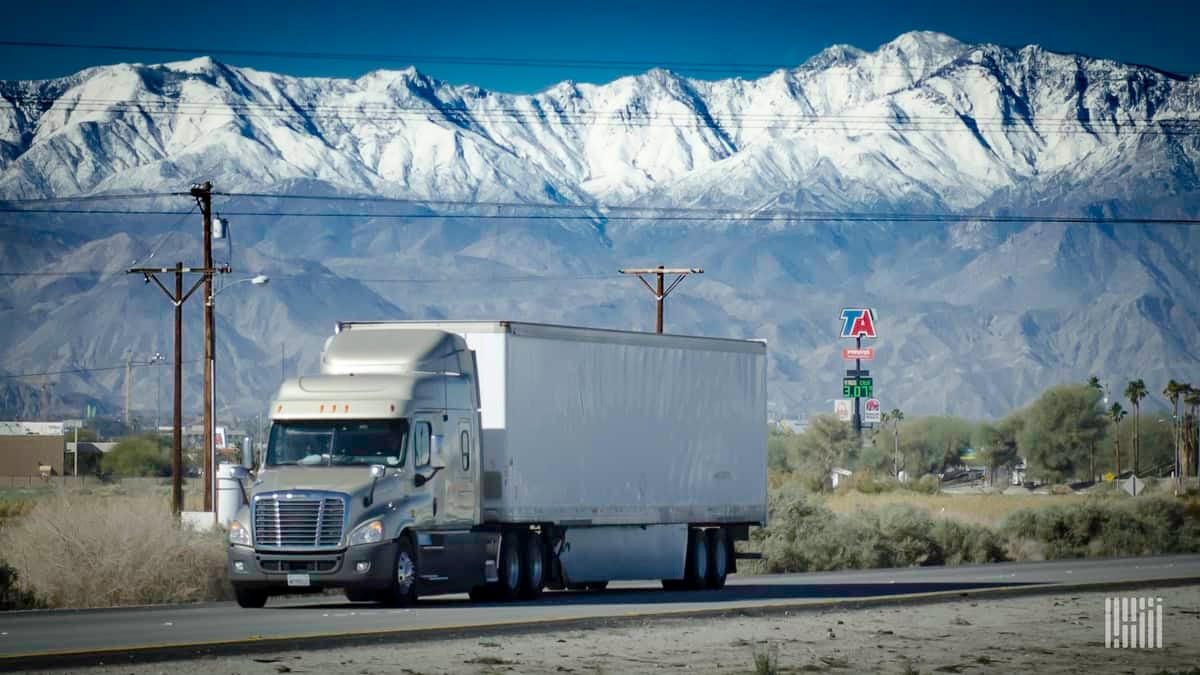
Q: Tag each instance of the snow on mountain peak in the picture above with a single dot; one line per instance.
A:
(200, 64)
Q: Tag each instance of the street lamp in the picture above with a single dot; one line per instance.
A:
(210, 460)
(129, 364)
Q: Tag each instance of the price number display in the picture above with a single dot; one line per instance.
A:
(858, 387)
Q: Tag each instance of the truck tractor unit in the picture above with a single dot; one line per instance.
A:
(502, 458)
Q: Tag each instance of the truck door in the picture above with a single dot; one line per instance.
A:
(460, 490)
(427, 503)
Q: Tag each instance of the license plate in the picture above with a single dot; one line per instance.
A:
(298, 580)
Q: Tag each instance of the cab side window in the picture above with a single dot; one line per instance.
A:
(421, 435)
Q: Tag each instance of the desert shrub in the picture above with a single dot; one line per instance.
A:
(928, 484)
(963, 544)
(10, 509)
(805, 536)
(138, 456)
(12, 596)
(106, 551)
(866, 482)
(1108, 527)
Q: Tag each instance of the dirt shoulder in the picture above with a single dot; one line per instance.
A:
(1039, 633)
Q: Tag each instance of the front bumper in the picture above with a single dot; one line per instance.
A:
(332, 569)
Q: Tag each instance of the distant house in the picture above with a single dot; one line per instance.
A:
(32, 448)
(90, 454)
(837, 475)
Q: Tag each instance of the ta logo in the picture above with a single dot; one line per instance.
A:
(858, 322)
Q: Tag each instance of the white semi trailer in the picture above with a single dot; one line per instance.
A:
(501, 458)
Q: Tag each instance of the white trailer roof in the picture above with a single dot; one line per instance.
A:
(573, 333)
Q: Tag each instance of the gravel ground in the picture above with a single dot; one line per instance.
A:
(1037, 633)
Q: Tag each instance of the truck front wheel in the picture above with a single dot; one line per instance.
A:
(250, 598)
(403, 591)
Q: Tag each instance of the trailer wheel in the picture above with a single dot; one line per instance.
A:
(718, 558)
(533, 566)
(403, 591)
(250, 598)
(508, 587)
(697, 560)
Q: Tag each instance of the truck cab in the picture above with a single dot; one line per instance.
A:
(371, 460)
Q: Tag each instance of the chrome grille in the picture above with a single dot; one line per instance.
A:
(301, 521)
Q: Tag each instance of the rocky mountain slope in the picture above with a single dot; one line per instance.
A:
(795, 191)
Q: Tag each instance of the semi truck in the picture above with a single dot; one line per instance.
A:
(501, 458)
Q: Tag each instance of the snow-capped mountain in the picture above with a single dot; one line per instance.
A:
(789, 189)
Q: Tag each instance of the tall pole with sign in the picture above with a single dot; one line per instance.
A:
(857, 323)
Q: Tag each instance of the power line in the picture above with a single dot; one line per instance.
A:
(496, 61)
(715, 216)
(58, 274)
(85, 370)
(589, 211)
(101, 197)
(333, 275)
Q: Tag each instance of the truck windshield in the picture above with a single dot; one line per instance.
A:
(338, 443)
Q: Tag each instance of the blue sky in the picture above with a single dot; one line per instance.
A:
(1161, 34)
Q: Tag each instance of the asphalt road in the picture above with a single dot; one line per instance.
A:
(40, 637)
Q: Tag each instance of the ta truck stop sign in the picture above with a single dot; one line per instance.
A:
(858, 322)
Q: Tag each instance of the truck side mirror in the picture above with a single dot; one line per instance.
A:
(377, 471)
(437, 446)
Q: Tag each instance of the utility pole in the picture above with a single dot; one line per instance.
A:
(659, 293)
(177, 298)
(128, 385)
(203, 196)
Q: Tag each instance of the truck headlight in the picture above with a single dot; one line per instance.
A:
(367, 533)
(239, 534)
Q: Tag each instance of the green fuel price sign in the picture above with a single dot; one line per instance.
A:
(858, 387)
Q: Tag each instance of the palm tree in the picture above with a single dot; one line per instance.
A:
(1094, 381)
(1116, 413)
(1135, 391)
(896, 416)
(1172, 392)
(1192, 400)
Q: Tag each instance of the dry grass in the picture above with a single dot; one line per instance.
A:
(989, 510)
(88, 551)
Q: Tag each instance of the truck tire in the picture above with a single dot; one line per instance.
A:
(533, 566)
(403, 591)
(718, 558)
(250, 598)
(697, 560)
(508, 587)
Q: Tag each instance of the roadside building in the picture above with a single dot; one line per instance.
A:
(32, 449)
